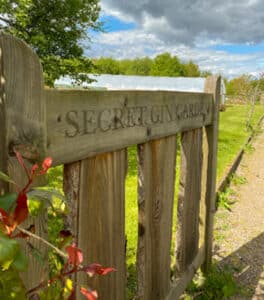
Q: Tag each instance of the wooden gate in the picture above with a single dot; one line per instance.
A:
(89, 132)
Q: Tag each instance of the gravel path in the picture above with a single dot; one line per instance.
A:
(239, 233)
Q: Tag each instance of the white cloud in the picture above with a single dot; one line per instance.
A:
(189, 29)
(231, 21)
(138, 43)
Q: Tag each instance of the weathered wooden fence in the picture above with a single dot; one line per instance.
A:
(88, 132)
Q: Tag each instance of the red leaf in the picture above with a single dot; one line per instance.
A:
(34, 169)
(93, 269)
(21, 161)
(89, 294)
(21, 210)
(46, 165)
(75, 256)
(72, 295)
(6, 222)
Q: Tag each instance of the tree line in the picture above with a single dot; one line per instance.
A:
(244, 85)
(162, 65)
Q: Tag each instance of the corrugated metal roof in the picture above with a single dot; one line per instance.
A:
(123, 82)
(151, 83)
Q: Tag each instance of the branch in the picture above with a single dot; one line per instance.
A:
(13, 24)
(36, 237)
(9, 22)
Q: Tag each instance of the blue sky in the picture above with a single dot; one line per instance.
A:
(224, 37)
(112, 24)
(240, 48)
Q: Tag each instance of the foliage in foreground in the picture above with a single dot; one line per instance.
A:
(15, 208)
(218, 284)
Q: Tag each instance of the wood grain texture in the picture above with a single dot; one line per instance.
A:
(101, 229)
(24, 92)
(202, 217)
(24, 104)
(189, 199)
(157, 161)
(3, 137)
(99, 121)
(71, 188)
(212, 85)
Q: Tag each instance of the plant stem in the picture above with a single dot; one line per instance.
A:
(57, 250)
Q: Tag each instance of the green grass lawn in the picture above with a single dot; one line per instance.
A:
(232, 136)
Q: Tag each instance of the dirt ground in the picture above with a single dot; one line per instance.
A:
(239, 233)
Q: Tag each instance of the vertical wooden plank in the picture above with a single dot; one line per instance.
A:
(101, 220)
(157, 160)
(25, 128)
(187, 240)
(3, 152)
(212, 85)
(71, 188)
(202, 218)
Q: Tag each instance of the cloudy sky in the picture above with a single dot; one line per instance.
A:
(224, 37)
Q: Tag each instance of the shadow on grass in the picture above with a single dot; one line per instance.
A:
(246, 264)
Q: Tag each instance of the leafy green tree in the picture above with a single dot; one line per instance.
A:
(106, 65)
(190, 69)
(125, 65)
(166, 65)
(239, 86)
(206, 73)
(247, 90)
(140, 66)
(54, 29)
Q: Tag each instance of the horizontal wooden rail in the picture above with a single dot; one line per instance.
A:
(100, 121)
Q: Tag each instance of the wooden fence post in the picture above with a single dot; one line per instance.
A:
(189, 199)
(97, 185)
(23, 126)
(157, 160)
(212, 85)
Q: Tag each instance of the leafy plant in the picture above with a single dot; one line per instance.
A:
(226, 198)
(217, 285)
(14, 210)
(237, 179)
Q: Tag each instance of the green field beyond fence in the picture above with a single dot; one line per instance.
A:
(232, 136)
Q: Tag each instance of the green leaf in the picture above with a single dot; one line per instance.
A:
(9, 249)
(7, 201)
(11, 285)
(20, 262)
(6, 178)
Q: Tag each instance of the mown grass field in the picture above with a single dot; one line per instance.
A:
(232, 136)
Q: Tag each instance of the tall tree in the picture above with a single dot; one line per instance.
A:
(106, 65)
(140, 66)
(55, 30)
(190, 69)
(166, 65)
(248, 90)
